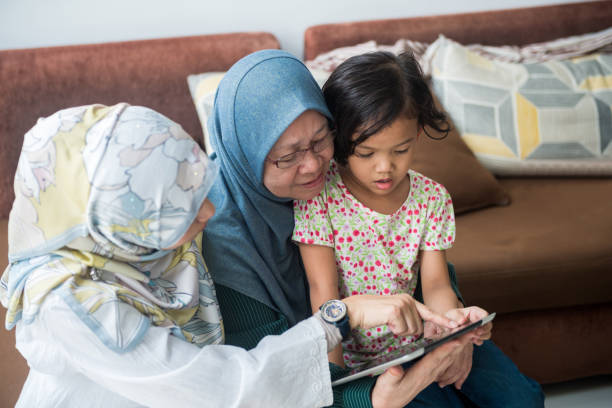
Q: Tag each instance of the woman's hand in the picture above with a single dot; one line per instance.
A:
(396, 387)
(401, 313)
(459, 369)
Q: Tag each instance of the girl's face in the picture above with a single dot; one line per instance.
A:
(300, 179)
(380, 164)
(207, 210)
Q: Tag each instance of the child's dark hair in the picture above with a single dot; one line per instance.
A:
(368, 92)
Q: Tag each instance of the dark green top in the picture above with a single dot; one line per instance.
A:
(246, 321)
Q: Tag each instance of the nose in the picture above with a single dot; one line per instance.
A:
(384, 164)
(311, 162)
(207, 210)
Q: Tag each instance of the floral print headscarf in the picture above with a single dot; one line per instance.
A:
(100, 191)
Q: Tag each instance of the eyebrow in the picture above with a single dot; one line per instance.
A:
(393, 147)
(296, 145)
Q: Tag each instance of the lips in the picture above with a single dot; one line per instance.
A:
(314, 183)
(384, 184)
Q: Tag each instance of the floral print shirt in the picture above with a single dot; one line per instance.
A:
(376, 253)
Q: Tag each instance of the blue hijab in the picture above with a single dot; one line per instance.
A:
(248, 243)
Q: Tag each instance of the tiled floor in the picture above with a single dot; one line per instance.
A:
(593, 392)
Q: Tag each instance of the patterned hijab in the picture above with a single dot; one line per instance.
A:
(99, 191)
(248, 241)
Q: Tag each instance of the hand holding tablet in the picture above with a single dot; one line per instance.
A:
(411, 351)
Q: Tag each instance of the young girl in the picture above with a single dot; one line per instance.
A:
(378, 225)
(377, 220)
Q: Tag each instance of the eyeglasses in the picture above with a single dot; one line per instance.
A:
(295, 158)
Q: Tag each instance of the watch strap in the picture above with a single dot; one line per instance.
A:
(344, 326)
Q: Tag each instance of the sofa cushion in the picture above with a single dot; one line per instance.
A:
(538, 341)
(203, 87)
(550, 248)
(450, 162)
(551, 118)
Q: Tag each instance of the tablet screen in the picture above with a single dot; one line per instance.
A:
(408, 352)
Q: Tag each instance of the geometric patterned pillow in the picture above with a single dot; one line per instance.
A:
(551, 118)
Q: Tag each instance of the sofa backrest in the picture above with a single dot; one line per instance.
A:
(514, 26)
(37, 82)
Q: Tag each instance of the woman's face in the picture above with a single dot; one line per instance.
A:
(304, 179)
(207, 210)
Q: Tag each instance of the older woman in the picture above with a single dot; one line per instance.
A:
(272, 139)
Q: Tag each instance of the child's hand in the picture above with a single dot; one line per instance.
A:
(472, 314)
(459, 316)
(432, 330)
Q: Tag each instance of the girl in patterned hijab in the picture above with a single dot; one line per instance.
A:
(101, 195)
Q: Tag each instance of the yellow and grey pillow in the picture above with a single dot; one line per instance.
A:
(203, 88)
(551, 118)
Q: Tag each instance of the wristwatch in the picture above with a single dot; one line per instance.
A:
(334, 312)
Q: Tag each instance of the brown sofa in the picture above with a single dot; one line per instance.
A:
(552, 293)
(37, 82)
(544, 262)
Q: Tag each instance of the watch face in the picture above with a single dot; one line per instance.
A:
(333, 310)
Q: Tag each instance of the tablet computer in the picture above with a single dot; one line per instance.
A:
(409, 352)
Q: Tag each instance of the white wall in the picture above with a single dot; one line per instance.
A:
(38, 23)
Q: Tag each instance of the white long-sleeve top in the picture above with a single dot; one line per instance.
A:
(71, 367)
